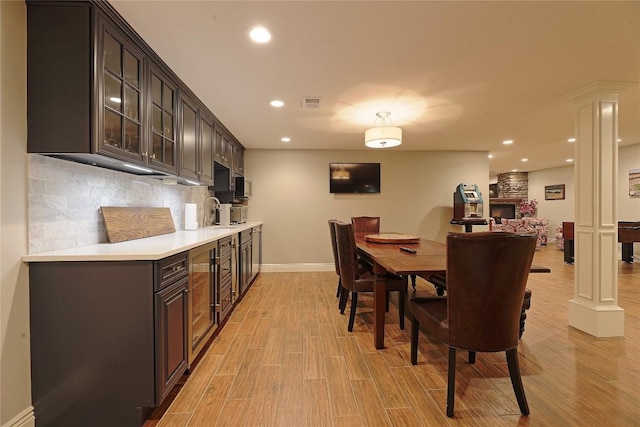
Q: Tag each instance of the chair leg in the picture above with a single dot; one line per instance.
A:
(352, 315)
(451, 383)
(339, 287)
(413, 281)
(472, 357)
(523, 317)
(415, 330)
(402, 298)
(516, 380)
(344, 295)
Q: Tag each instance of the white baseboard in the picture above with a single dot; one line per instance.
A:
(292, 268)
(24, 419)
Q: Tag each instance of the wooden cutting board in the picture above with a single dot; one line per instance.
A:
(124, 224)
(392, 238)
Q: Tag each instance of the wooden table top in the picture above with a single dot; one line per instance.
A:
(391, 238)
(430, 256)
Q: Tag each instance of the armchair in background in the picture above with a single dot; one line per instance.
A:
(524, 225)
(559, 238)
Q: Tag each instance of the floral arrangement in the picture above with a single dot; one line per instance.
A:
(527, 207)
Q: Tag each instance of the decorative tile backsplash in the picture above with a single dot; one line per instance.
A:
(65, 199)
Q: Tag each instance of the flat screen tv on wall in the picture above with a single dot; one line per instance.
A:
(354, 178)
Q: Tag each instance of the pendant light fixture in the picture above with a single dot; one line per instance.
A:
(383, 134)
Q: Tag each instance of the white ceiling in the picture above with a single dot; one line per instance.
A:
(454, 75)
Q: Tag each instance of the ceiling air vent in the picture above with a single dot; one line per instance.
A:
(311, 102)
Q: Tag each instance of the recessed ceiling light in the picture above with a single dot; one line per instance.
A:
(507, 141)
(277, 103)
(524, 159)
(490, 156)
(285, 139)
(571, 140)
(260, 34)
(569, 160)
(514, 170)
(619, 139)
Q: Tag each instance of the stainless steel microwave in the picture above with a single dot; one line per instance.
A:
(243, 188)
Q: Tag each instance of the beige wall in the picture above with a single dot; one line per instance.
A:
(628, 207)
(291, 195)
(556, 210)
(15, 379)
(562, 210)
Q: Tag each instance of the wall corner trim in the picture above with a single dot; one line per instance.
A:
(26, 418)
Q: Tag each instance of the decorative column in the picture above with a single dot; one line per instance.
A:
(594, 308)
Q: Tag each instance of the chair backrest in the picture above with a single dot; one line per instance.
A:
(334, 247)
(486, 278)
(365, 225)
(347, 254)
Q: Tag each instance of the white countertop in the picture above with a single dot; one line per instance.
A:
(148, 249)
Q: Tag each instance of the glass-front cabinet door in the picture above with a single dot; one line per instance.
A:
(121, 83)
(201, 298)
(206, 148)
(162, 152)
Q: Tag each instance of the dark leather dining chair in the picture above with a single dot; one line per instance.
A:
(363, 225)
(363, 266)
(355, 279)
(332, 233)
(486, 277)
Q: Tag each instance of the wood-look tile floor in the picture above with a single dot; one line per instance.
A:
(285, 358)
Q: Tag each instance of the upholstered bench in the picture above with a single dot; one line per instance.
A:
(440, 283)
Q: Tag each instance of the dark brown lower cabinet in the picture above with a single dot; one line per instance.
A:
(245, 261)
(171, 336)
(224, 281)
(107, 339)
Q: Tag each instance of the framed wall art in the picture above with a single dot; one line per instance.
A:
(554, 192)
(634, 182)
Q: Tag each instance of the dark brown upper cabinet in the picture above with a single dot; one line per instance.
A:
(189, 140)
(239, 161)
(222, 147)
(207, 148)
(121, 79)
(80, 105)
(163, 150)
(98, 94)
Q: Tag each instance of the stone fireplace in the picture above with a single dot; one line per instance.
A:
(512, 189)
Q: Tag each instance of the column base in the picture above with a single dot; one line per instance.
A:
(603, 321)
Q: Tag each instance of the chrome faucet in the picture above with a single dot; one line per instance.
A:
(205, 217)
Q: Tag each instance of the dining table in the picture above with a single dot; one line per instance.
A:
(425, 258)
(429, 258)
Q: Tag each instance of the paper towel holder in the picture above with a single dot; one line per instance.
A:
(190, 216)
